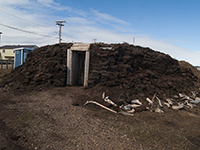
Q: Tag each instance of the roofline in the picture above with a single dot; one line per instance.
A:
(17, 46)
(24, 48)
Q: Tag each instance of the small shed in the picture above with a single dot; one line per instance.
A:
(20, 55)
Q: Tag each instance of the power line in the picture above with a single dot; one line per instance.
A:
(30, 32)
(21, 18)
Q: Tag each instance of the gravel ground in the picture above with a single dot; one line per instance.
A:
(48, 120)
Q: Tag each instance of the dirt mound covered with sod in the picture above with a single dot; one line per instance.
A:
(45, 66)
(121, 70)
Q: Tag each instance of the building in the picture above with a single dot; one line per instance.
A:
(20, 55)
(7, 53)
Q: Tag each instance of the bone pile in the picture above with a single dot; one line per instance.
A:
(153, 105)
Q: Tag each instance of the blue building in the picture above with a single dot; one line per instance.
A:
(20, 55)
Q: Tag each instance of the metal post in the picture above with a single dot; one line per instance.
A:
(1, 64)
(12, 64)
(6, 64)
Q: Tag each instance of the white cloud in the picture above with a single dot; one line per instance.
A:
(174, 51)
(106, 18)
(14, 2)
(36, 16)
(46, 1)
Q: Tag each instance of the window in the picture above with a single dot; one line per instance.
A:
(3, 51)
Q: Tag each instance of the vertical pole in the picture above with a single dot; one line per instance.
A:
(60, 25)
(12, 63)
(22, 51)
(0, 38)
(87, 64)
(1, 64)
(6, 64)
(60, 33)
(69, 67)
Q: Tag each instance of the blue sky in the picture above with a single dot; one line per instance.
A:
(169, 26)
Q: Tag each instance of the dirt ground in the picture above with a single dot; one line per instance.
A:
(38, 110)
(51, 120)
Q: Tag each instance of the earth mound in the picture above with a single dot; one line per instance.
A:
(45, 66)
(123, 71)
(138, 72)
(187, 66)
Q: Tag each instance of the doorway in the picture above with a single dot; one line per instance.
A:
(78, 67)
(78, 60)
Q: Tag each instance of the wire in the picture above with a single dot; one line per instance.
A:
(30, 32)
(21, 18)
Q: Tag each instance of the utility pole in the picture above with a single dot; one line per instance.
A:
(60, 23)
(0, 38)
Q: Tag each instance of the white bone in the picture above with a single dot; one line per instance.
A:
(150, 101)
(196, 101)
(169, 101)
(93, 102)
(194, 94)
(159, 101)
(189, 104)
(158, 110)
(134, 105)
(103, 95)
(131, 111)
(178, 107)
(109, 101)
(136, 101)
(184, 97)
(125, 107)
(167, 104)
(187, 97)
(175, 96)
(125, 113)
(181, 95)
